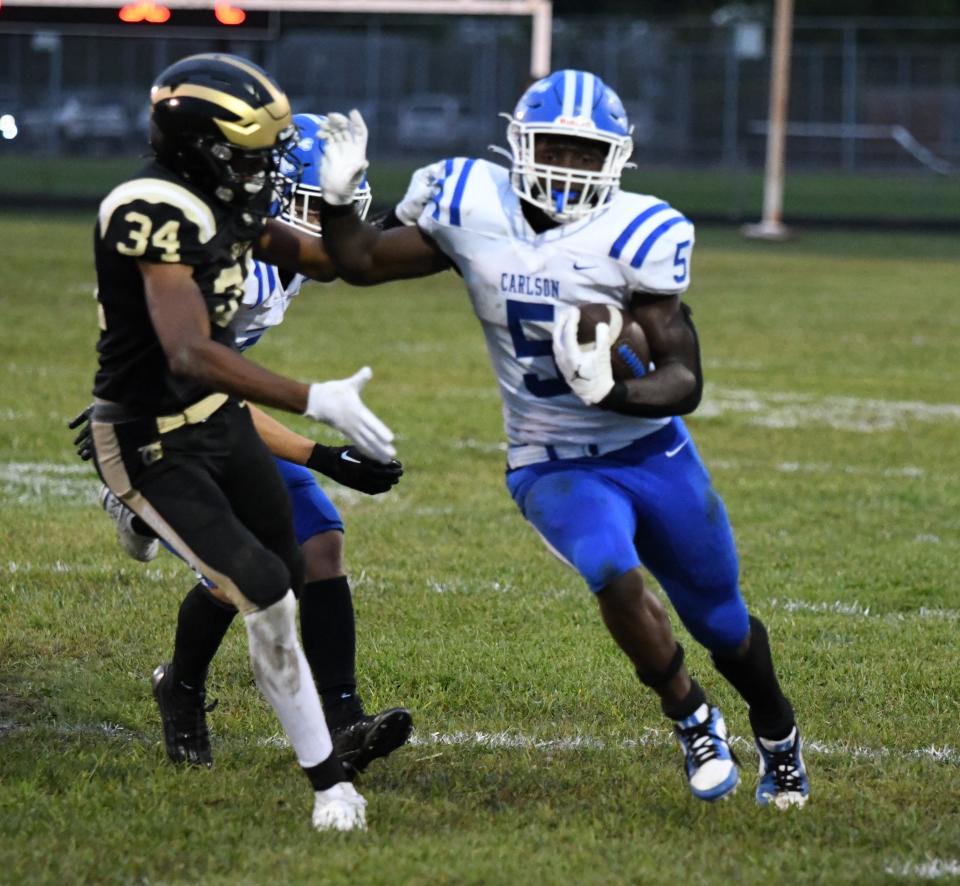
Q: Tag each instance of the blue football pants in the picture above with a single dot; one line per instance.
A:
(650, 503)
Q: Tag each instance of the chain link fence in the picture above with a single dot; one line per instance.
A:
(867, 95)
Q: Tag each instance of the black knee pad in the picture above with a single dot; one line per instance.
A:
(262, 577)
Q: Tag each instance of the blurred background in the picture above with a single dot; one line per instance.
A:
(873, 121)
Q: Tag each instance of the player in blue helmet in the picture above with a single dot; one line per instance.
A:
(568, 105)
(326, 607)
(303, 209)
(605, 471)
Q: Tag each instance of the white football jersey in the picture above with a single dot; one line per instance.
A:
(265, 301)
(520, 282)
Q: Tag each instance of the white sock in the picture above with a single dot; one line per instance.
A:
(283, 675)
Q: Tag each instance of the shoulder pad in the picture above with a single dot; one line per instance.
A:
(447, 205)
(156, 220)
(655, 244)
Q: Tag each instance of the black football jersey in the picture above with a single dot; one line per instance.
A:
(157, 217)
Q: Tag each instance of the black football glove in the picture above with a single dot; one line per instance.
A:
(83, 442)
(348, 467)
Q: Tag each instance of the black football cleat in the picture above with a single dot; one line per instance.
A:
(184, 718)
(358, 742)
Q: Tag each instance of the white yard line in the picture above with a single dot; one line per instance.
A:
(856, 610)
(514, 740)
(932, 869)
(786, 409)
(799, 467)
(152, 573)
(29, 482)
(77, 485)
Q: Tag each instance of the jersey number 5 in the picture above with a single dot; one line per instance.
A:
(518, 311)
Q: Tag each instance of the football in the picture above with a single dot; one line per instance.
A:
(629, 351)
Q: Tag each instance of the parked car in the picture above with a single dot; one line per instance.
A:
(80, 124)
(432, 120)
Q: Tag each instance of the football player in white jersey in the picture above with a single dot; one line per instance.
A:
(605, 471)
(325, 604)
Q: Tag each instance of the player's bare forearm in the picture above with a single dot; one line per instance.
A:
(668, 390)
(222, 369)
(676, 384)
(280, 440)
(364, 255)
(180, 319)
(295, 250)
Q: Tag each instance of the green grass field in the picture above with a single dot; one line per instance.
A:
(830, 423)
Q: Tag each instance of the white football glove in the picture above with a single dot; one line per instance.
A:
(586, 368)
(421, 190)
(338, 404)
(344, 157)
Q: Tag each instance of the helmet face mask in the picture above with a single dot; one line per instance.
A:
(573, 106)
(223, 125)
(302, 210)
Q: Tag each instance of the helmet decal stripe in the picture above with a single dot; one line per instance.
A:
(652, 238)
(257, 128)
(629, 230)
(257, 75)
(578, 95)
(586, 101)
(569, 93)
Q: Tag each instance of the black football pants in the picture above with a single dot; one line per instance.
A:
(211, 491)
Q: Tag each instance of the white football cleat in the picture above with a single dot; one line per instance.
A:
(340, 808)
(141, 547)
(709, 763)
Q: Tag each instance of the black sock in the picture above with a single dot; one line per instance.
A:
(754, 677)
(684, 708)
(330, 645)
(201, 624)
(326, 773)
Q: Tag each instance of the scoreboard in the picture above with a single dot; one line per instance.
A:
(139, 18)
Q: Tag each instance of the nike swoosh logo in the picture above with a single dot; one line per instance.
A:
(670, 453)
(347, 457)
(578, 267)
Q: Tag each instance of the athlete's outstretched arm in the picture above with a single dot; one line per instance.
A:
(365, 255)
(182, 325)
(281, 441)
(345, 464)
(676, 384)
(294, 250)
(362, 253)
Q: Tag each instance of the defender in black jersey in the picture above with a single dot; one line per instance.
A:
(172, 436)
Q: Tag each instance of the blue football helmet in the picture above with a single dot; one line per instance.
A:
(570, 103)
(302, 210)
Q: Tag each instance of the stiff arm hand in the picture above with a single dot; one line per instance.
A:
(586, 368)
(344, 157)
(338, 404)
